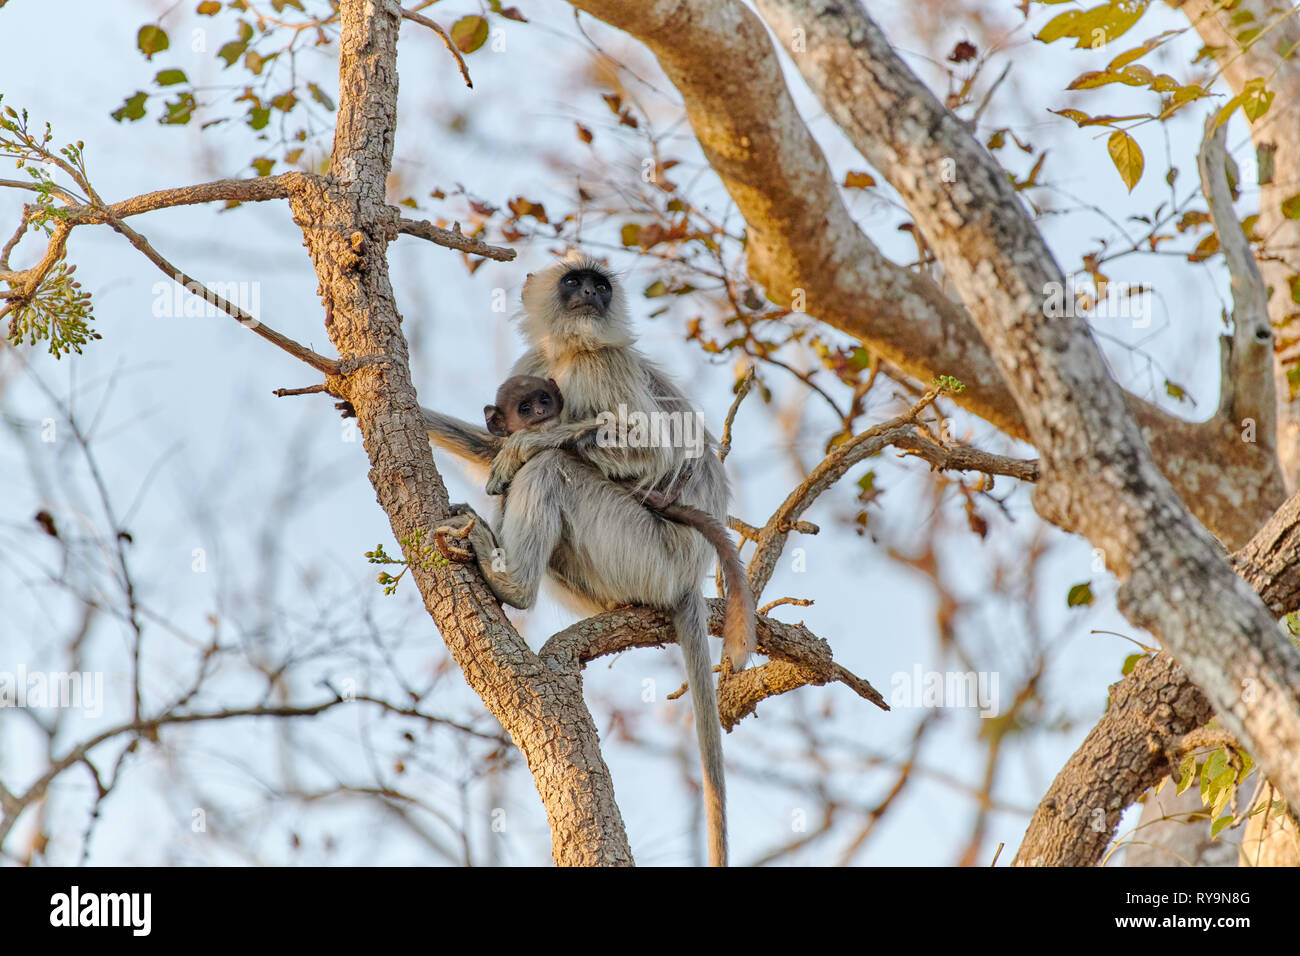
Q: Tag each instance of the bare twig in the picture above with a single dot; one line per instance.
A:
(317, 361)
(779, 602)
(305, 390)
(447, 41)
(742, 389)
(900, 431)
(453, 238)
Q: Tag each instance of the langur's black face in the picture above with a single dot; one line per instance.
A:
(585, 290)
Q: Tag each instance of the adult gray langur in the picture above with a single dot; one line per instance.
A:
(571, 513)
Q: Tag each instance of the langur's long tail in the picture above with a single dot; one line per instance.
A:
(691, 620)
(738, 637)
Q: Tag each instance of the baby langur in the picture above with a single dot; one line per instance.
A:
(523, 401)
(526, 401)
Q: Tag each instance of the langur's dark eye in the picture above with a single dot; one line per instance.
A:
(570, 281)
(526, 408)
(544, 401)
(602, 286)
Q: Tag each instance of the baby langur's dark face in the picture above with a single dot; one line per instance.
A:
(585, 290)
(523, 401)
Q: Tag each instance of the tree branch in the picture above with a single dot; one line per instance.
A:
(802, 237)
(1099, 478)
(1246, 381)
(446, 40)
(453, 238)
(797, 656)
(1131, 749)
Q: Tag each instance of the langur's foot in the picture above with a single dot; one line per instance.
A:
(449, 549)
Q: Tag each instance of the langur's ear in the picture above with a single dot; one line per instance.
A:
(559, 397)
(496, 421)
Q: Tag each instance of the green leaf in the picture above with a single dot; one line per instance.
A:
(1205, 248)
(170, 77)
(1186, 773)
(1257, 99)
(263, 165)
(1291, 207)
(1218, 825)
(320, 96)
(1127, 157)
(208, 8)
(1130, 662)
(631, 236)
(1214, 764)
(1254, 99)
(232, 51)
(151, 40)
(1080, 595)
(469, 33)
(258, 117)
(656, 289)
(1247, 763)
(1208, 53)
(132, 109)
(179, 111)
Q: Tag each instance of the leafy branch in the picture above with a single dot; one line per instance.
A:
(45, 303)
(428, 555)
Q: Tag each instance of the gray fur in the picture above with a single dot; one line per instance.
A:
(567, 515)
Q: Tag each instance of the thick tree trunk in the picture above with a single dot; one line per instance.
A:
(347, 224)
